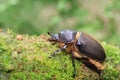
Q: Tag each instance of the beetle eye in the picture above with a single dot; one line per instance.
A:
(55, 37)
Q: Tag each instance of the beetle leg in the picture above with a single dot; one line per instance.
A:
(57, 51)
(73, 64)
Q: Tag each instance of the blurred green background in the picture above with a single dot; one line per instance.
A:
(99, 18)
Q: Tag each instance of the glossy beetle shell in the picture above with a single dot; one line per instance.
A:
(90, 47)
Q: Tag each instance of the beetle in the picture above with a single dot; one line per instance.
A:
(82, 47)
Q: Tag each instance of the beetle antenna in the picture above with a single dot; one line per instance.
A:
(49, 33)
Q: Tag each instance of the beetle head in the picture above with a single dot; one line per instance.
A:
(66, 36)
(53, 37)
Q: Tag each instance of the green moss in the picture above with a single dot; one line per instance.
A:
(27, 59)
(112, 70)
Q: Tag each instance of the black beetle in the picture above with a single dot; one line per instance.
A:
(82, 47)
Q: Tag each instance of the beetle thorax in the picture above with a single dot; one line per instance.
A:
(71, 47)
(67, 36)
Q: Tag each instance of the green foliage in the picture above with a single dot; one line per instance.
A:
(27, 59)
(40, 16)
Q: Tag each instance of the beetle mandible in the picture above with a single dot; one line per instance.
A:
(82, 47)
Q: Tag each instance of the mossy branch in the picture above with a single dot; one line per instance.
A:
(25, 57)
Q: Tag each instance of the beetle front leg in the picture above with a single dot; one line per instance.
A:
(73, 64)
(58, 51)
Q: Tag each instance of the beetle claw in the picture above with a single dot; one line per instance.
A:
(74, 74)
(49, 56)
